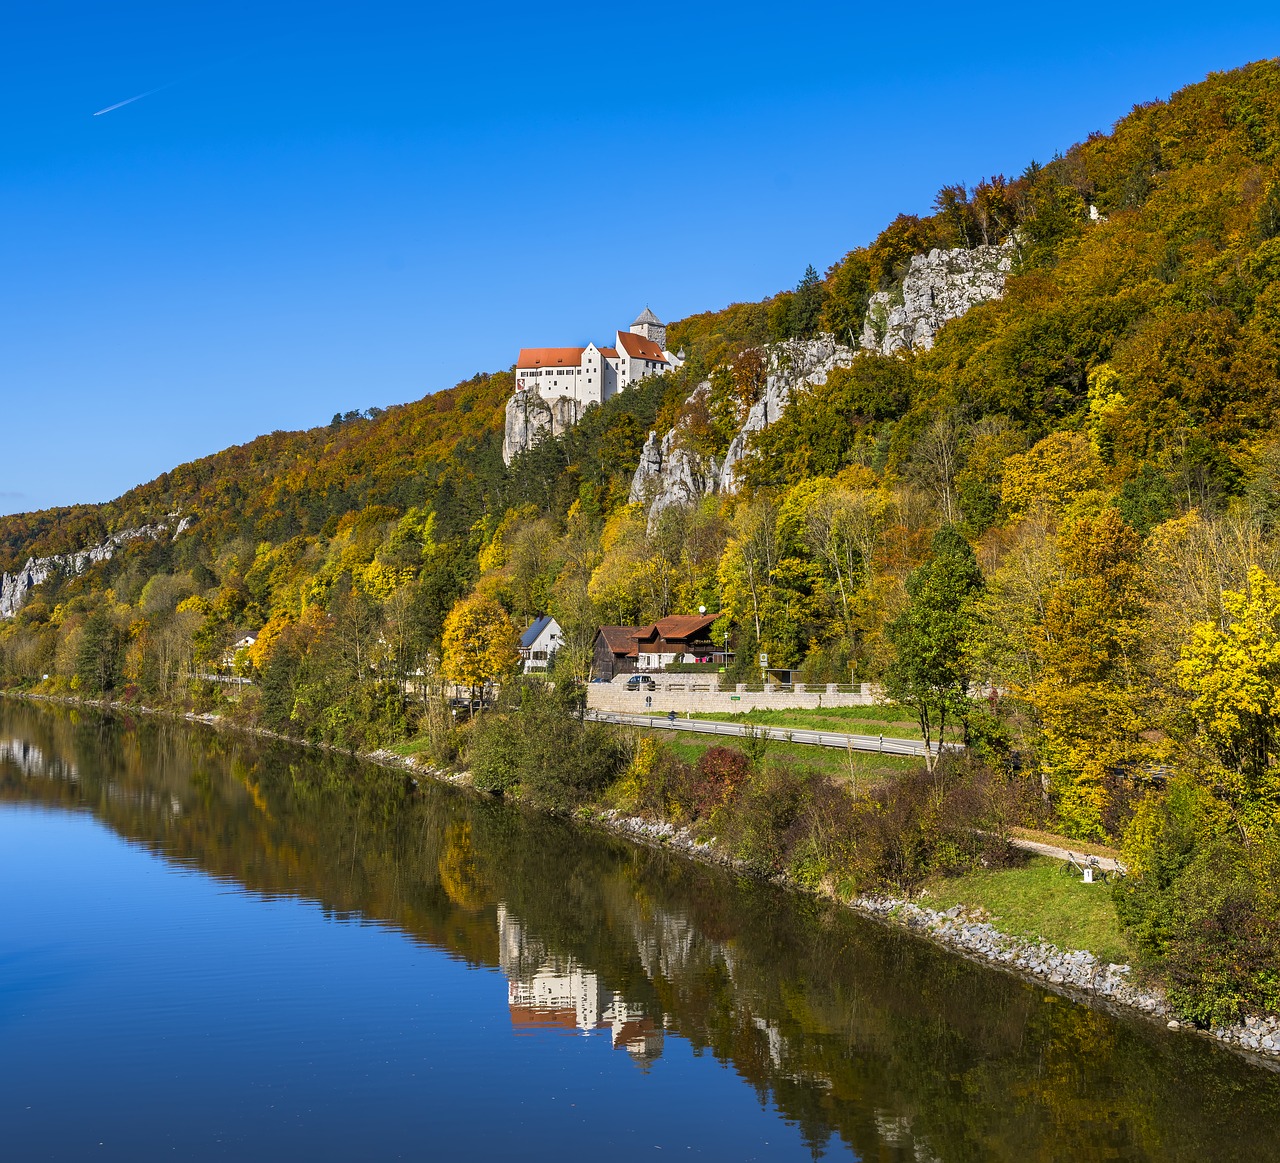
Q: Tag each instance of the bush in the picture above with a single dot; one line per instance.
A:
(766, 823)
(657, 784)
(927, 823)
(537, 743)
(719, 774)
(1202, 908)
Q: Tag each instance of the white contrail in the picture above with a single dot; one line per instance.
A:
(131, 100)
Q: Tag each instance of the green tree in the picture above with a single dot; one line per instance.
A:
(930, 673)
(98, 658)
(806, 306)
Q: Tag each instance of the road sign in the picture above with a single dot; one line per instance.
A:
(764, 660)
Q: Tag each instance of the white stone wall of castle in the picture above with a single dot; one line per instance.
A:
(556, 383)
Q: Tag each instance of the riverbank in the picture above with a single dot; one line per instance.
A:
(1075, 974)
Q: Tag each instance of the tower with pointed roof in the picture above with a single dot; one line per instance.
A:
(651, 327)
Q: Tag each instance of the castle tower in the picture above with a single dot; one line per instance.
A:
(651, 327)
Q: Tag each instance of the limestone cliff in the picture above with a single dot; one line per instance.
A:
(531, 419)
(670, 473)
(15, 587)
(937, 287)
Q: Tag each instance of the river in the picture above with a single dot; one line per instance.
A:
(218, 947)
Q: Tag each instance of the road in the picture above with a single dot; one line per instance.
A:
(879, 743)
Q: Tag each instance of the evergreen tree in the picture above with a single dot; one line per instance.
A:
(806, 305)
(930, 674)
(98, 659)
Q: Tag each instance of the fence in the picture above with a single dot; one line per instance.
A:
(694, 694)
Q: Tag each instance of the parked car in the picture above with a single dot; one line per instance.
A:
(641, 682)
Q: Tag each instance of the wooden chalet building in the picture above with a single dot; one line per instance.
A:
(615, 652)
(678, 638)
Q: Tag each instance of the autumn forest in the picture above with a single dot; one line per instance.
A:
(1058, 529)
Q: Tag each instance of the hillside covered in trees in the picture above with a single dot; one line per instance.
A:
(1071, 499)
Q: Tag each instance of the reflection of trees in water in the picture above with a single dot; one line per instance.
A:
(849, 1028)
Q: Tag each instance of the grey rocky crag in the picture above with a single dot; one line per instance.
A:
(670, 473)
(531, 419)
(937, 287)
(16, 586)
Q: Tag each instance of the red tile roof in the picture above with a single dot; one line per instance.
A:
(611, 352)
(619, 640)
(638, 347)
(540, 1018)
(550, 357)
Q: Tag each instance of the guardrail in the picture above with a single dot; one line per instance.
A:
(877, 743)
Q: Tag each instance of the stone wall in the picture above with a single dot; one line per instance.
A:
(703, 694)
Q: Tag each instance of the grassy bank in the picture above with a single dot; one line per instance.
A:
(1039, 901)
(866, 767)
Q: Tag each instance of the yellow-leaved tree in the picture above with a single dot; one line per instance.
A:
(1232, 670)
(1050, 473)
(1085, 693)
(480, 643)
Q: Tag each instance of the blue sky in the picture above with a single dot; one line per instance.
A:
(336, 205)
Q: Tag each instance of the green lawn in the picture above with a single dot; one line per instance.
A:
(868, 766)
(891, 721)
(1039, 901)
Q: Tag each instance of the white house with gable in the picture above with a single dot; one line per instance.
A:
(539, 643)
(592, 374)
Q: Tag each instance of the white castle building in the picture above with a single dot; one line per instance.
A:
(591, 374)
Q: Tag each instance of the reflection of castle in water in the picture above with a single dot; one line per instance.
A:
(546, 992)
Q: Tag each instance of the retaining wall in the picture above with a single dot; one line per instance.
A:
(702, 697)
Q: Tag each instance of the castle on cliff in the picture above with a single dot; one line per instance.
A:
(592, 374)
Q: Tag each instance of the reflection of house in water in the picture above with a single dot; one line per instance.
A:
(30, 760)
(546, 992)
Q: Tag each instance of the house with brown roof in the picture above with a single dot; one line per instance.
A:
(677, 638)
(614, 652)
(592, 374)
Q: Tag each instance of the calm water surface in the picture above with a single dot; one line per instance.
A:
(213, 948)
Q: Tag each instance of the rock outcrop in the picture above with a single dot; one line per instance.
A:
(531, 419)
(793, 366)
(669, 473)
(15, 587)
(938, 287)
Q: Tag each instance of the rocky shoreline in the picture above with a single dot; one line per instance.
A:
(1076, 974)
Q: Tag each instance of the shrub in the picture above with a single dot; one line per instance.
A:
(1201, 907)
(718, 775)
(764, 820)
(925, 823)
(537, 743)
(657, 784)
